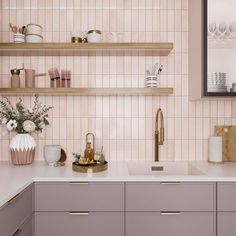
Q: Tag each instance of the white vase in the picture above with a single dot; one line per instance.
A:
(52, 154)
(22, 148)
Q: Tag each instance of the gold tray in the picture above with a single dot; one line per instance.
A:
(93, 168)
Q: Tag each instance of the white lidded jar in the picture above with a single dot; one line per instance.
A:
(22, 148)
(94, 36)
(52, 154)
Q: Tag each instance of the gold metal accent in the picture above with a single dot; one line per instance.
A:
(18, 232)
(76, 40)
(170, 183)
(90, 168)
(228, 134)
(78, 183)
(94, 31)
(170, 213)
(79, 213)
(159, 132)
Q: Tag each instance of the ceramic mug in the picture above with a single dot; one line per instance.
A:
(52, 154)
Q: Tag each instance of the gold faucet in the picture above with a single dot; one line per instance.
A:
(159, 132)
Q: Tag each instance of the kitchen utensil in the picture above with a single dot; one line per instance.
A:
(13, 28)
(52, 154)
(55, 78)
(34, 38)
(30, 78)
(94, 36)
(34, 29)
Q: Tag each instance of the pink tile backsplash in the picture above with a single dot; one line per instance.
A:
(124, 125)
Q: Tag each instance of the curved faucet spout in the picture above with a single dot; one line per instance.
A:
(159, 132)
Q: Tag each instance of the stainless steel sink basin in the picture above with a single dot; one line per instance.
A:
(163, 168)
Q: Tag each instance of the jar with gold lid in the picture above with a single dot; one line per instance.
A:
(94, 36)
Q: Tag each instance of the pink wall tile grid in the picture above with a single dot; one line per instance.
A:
(123, 125)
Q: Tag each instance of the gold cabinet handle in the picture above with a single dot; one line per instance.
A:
(79, 213)
(170, 183)
(170, 213)
(12, 200)
(18, 232)
(78, 183)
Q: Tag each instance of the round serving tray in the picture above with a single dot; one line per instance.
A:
(93, 168)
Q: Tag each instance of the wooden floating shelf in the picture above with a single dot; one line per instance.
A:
(89, 91)
(161, 49)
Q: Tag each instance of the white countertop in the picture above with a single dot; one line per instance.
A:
(14, 179)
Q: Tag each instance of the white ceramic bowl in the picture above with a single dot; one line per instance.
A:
(19, 38)
(52, 154)
(34, 29)
(94, 37)
(34, 38)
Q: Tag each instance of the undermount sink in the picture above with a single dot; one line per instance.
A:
(163, 168)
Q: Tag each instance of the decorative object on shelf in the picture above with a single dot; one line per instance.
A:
(89, 150)
(222, 30)
(215, 149)
(217, 82)
(233, 89)
(55, 78)
(30, 75)
(23, 121)
(94, 36)
(151, 78)
(34, 29)
(76, 37)
(52, 154)
(18, 33)
(65, 78)
(34, 33)
(15, 77)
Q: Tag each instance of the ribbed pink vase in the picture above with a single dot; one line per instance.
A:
(22, 148)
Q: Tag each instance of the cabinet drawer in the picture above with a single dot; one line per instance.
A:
(79, 197)
(170, 196)
(63, 223)
(15, 212)
(226, 198)
(226, 224)
(184, 224)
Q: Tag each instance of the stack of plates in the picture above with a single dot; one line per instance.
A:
(151, 81)
(217, 82)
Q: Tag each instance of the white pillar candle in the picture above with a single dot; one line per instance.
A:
(215, 149)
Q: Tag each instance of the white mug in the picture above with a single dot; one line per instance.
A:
(52, 154)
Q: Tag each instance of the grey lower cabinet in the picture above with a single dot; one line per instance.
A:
(79, 223)
(170, 209)
(16, 213)
(226, 206)
(79, 208)
(170, 224)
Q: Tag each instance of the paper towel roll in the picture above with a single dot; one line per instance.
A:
(215, 149)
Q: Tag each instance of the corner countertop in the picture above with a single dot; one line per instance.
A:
(14, 179)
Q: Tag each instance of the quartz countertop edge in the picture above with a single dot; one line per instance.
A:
(14, 179)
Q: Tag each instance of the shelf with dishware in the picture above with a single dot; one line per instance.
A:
(89, 91)
(160, 49)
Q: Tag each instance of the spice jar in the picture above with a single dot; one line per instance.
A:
(94, 36)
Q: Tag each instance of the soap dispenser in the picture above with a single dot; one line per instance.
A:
(15, 78)
(89, 151)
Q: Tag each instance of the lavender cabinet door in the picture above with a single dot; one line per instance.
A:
(170, 197)
(26, 229)
(76, 224)
(226, 196)
(79, 197)
(226, 224)
(170, 224)
(15, 212)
